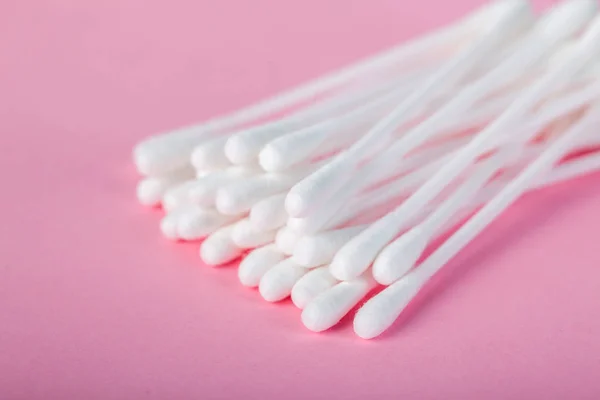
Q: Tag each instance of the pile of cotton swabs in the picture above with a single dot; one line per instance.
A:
(338, 187)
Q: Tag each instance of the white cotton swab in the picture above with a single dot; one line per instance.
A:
(178, 196)
(239, 196)
(511, 18)
(382, 310)
(218, 248)
(277, 283)
(360, 252)
(315, 250)
(269, 213)
(313, 283)
(286, 239)
(210, 155)
(246, 236)
(203, 191)
(331, 305)
(257, 263)
(196, 223)
(150, 190)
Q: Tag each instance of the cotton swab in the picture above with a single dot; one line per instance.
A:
(239, 196)
(204, 190)
(358, 254)
(330, 306)
(511, 18)
(196, 223)
(150, 191)
(313, 283)
(178, 196)
(382, 310)
(245, 236)
(276, 284)
(218, 248)
(257, 263)
(269, 213)
(315, 250)
(286, 239)
(210, 155)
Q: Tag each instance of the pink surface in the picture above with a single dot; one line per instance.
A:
(94, 304)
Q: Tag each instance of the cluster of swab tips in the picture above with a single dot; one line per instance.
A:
(338, 187)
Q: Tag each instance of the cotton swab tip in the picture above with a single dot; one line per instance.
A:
(397, 258)
(380, 312)
(328, 308)
(168, 225)
(270, 159)
(236, 150)
(218, 248)
(149, 192)
(253, 267)
(277, 283)
(311, 285)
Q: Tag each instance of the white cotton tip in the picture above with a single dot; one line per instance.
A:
(269, 213)
(257, 263)
(210, 155)
(270, 160)
(311, 285)
(150, 191)
(328, 308)
(177, 196)
(197, 223)
(162, 154)
(240, 196)
(356, 256)
(246, 236)
(277, 283)
(398, 257)
(380, 312)
(168, 224)
(218, 248)
(204, 191)
(317, 187)
(286, 240)
(239, 150)
(319, 249)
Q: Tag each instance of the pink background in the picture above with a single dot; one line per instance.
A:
(94, 304)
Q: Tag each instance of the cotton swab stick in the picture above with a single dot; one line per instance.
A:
(512, 18)
(382, 310)
(358, 254)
